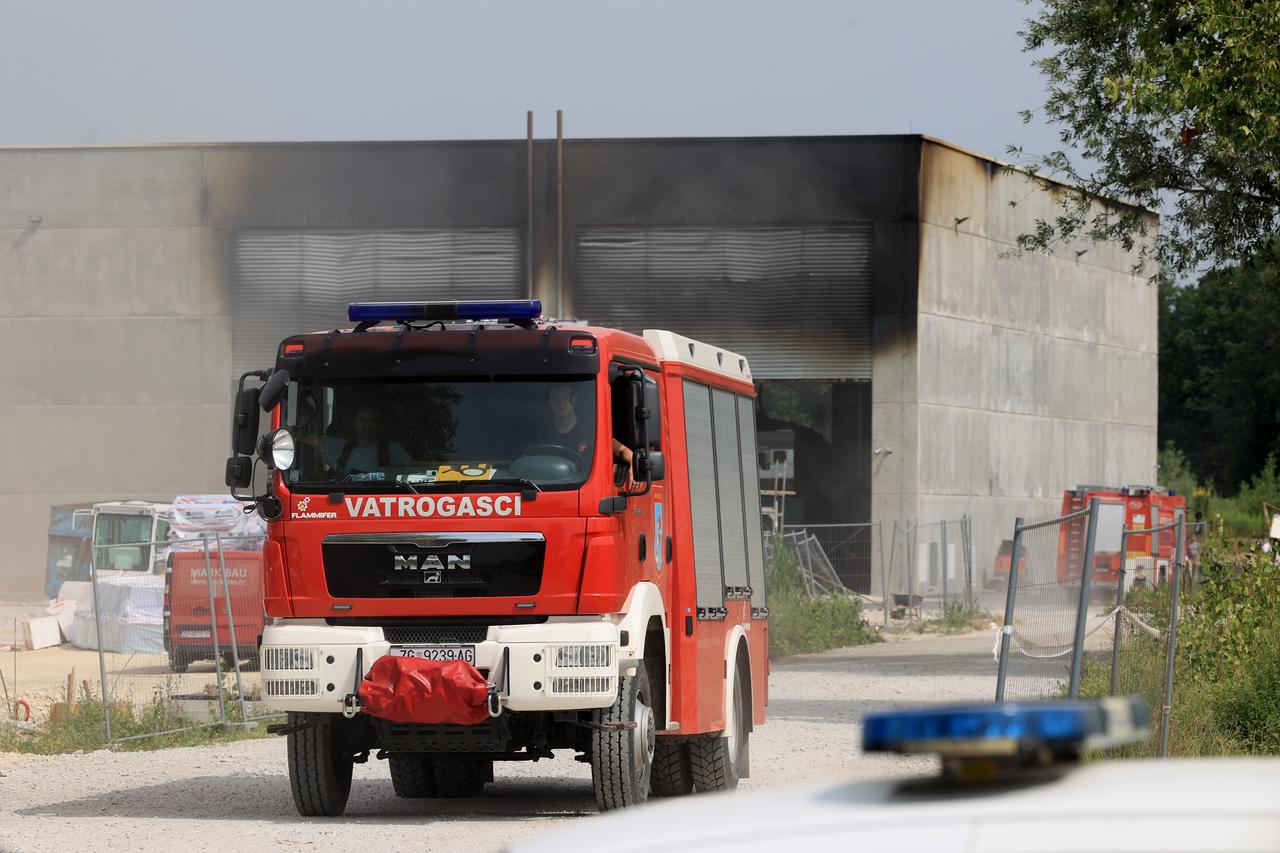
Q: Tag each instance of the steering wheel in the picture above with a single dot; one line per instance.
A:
(556, 450)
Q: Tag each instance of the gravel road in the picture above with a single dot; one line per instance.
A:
(236, 796)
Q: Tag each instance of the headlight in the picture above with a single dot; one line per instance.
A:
(282, 450)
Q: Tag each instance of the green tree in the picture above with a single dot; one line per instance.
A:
(1172, 104)
(1220, 371)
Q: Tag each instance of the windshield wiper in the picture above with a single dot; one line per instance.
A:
(529, 490)
(374, 486)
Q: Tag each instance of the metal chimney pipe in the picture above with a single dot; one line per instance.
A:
(528, 244)
(560, 214)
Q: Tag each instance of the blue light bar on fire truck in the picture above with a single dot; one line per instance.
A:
(373, 312)
(1041, 731)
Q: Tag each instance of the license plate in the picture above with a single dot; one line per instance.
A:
(193, 635)
(441, 653)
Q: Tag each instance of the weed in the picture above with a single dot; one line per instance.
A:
(799, 623)
(84, 729)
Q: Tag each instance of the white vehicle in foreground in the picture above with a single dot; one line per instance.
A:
(1011, 781)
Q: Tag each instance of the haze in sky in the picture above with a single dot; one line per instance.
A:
(145, 71)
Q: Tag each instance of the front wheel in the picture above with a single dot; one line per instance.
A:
(622, 746)
(320, 767)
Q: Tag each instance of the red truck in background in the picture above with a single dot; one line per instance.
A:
(1132, 507)
(196, 627)
(1135, 507)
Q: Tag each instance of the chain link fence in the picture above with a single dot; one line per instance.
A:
(177, 648)
(1081, 619)
(929, 565)
(1046, 606)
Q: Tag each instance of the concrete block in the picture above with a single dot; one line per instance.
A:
(41, 633)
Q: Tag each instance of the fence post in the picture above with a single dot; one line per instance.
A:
(884, 578)
(1115, 638)
(213, 629)
(1082, 612)
(102, 660)
(913, 557)
(1179, 541)
(1010, 599)
(946, 564)
(231, 625)
(893, 549)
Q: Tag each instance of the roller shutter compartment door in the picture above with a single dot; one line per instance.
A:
(796, 300)
(288, 282)
(703, 507)
(751, 501)
(733, 546)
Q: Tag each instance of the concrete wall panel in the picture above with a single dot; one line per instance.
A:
(111, 187)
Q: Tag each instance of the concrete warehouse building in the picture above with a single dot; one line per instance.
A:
(908, 367)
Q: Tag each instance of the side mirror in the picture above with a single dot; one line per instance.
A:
(239, 472)
(273, 391)
(244, 422)
(653, 461)
(654, 405)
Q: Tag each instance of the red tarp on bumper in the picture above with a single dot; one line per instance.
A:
(408, 690)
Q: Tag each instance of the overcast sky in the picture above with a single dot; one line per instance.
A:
(168, 70)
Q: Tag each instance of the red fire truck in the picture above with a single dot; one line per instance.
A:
(1134, 507)
(492, 536)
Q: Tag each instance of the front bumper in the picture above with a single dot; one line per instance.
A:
(308, 665)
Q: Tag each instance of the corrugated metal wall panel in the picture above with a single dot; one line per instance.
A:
(703, 507)
(290, 282)
(733, 547)
(751, 500)
(796, 300)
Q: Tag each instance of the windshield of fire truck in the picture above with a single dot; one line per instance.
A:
(438, 435)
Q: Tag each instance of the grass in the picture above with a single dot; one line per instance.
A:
(1226, 695)
(959, 617)
(800, 623)
(84, 729)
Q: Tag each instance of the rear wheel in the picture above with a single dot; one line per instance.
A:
(412, 776)
(622, 749)
(718, 761)
(180, 660)
(460, 777)
(319, 767)
(671, 775)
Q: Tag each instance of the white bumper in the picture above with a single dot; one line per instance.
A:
(308, 665)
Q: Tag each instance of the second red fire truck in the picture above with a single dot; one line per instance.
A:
(492, 537)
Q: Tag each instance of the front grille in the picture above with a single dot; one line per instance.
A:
(582, 684)
(284, 657)
(410, 569)
(292, 687)
(592, 656)
(432, 635)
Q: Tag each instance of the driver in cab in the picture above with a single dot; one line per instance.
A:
(367, 450)
(566, 429)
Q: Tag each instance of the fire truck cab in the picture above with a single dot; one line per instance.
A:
(551, 530)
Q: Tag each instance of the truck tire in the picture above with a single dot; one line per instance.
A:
(180, 660)
(319, 767)
(671, 776)
(454, 778)
(412, 776)
(716, 760)
(622, 758)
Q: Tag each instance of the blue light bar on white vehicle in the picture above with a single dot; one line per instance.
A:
(515, 309)
(1009, 729)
